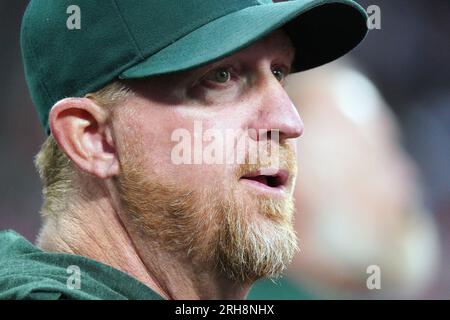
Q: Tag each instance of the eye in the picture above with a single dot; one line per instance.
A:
(220, 75)
(279, 73)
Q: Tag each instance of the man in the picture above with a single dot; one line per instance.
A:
(130, 211)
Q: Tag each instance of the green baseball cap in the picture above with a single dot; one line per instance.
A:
(129, 39)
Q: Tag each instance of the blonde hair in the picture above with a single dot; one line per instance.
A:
(55, 169)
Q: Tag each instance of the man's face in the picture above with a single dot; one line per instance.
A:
(189, 184)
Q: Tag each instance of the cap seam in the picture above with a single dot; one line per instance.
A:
(128, 30)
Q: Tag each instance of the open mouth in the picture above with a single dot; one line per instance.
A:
(268, 178)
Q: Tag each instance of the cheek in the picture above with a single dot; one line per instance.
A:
(188, 161)
(171, 150)
(214, 97)
(157, 130)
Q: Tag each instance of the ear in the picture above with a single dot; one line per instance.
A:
(80, 127)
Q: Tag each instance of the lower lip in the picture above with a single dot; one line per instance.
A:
(274, 192)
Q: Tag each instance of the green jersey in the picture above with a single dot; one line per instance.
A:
(27, 272)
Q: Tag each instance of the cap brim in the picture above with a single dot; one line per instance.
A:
(321, 32)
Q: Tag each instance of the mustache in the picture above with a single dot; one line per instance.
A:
(285, 160)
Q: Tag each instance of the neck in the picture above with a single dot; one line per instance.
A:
(95, 230)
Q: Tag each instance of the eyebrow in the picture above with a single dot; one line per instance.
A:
(288, 48)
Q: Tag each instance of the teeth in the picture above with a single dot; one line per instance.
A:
(269, 177)
(269, 171)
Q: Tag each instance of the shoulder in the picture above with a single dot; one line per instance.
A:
(29, 273)
(26, 272)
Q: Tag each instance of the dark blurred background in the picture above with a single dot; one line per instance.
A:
(408, 60)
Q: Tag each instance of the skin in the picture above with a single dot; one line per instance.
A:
(100, 226)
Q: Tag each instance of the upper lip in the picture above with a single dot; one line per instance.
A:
(274, 178)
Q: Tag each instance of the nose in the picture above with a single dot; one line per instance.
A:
(275, 111)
